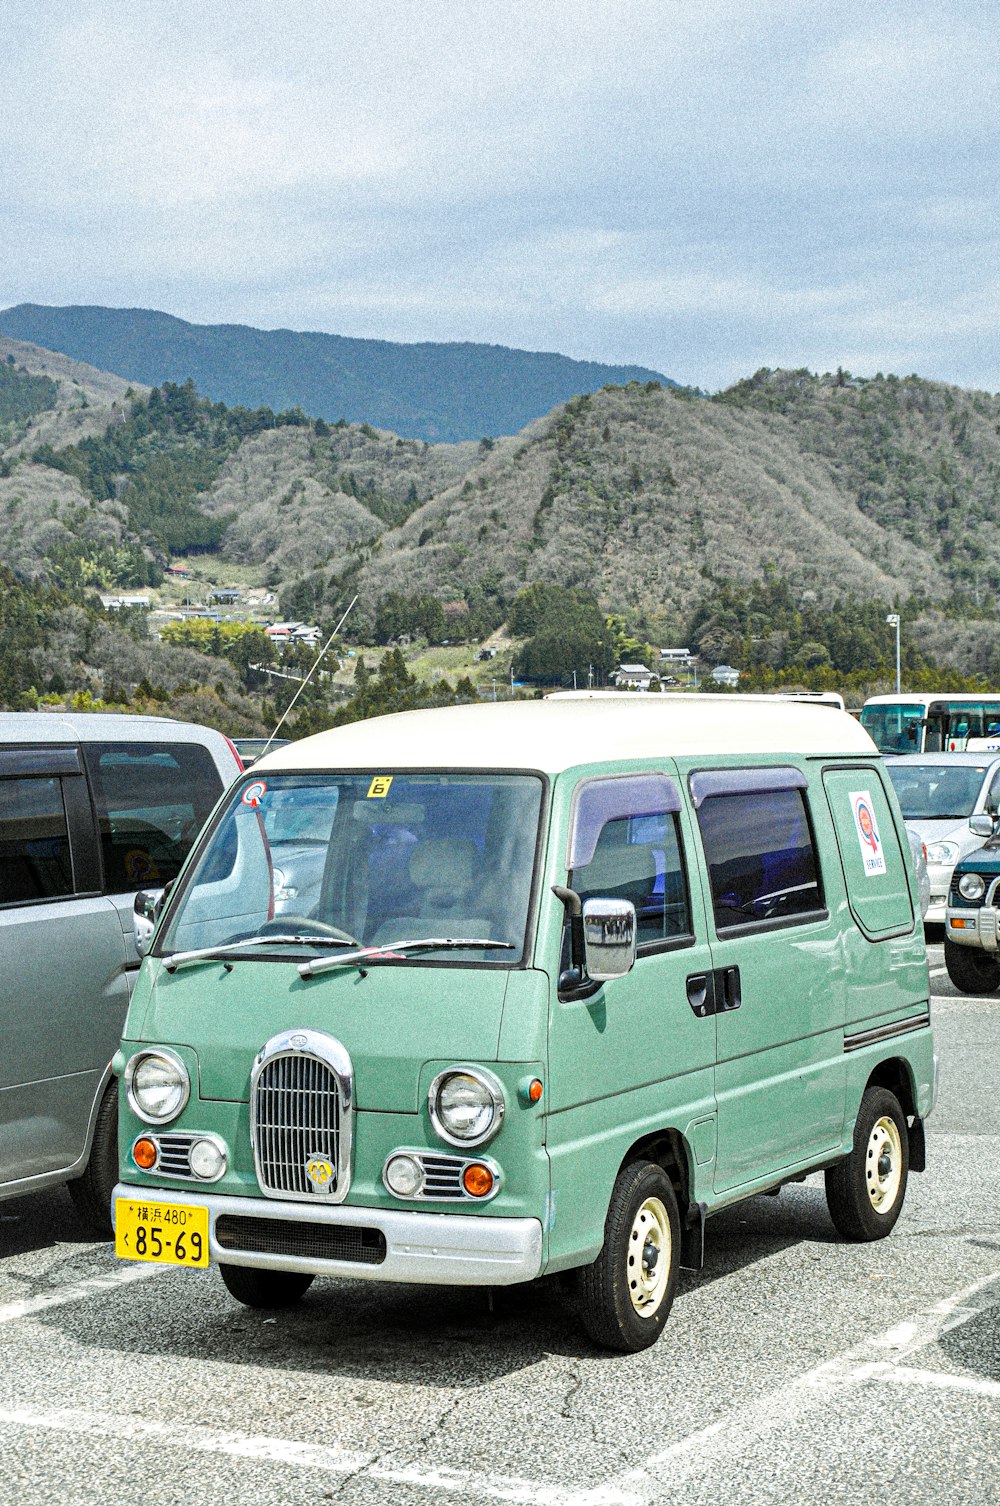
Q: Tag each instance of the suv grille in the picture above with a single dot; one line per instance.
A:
(296, 1118)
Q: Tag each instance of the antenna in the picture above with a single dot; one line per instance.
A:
(309, 676)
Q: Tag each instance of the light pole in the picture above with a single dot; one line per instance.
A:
(893, 621)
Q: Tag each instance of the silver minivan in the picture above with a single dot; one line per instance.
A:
(938, 793)
(93, 808)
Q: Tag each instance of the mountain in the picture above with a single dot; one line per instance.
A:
(658, 501)
(426, 391)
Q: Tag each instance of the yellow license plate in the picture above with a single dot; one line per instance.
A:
(164, 1232)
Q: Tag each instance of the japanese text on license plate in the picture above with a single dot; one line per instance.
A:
(164, 1232)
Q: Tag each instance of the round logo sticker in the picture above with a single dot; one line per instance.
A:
(866, 826)
(254, 793)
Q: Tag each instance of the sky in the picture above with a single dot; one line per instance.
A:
(704, 187)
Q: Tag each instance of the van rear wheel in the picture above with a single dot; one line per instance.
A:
(970, 969)
(265, 1288)
(629, 1290)
(865, 1193)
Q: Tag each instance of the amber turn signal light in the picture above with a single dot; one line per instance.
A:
(477, 1180)
(144, 1154)
(535, 1089)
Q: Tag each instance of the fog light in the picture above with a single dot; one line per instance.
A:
(144, 1154)
(404, 1176)
(207, 1160)
(477, 1180)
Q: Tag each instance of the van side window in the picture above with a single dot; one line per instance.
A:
(34, 842)
(639, 858)
(152, 800)
(760, 856)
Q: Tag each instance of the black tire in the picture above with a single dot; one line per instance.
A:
(865, 1193)
(265, 1288)
(91, 1193)
(625, 1300)
(971, 969)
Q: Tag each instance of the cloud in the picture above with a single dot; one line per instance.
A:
(705, 186)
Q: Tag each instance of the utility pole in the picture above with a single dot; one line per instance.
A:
(893, 621)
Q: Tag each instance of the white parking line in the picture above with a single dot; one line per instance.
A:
(744, 1426)
(327, 1457)
(874, 1359)
(933, 1380)
(73, 1292)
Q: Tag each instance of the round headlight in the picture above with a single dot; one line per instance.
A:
(404, 1176)
(466, 1106)
(157, 1086)
(971, 886)
(207, 1159)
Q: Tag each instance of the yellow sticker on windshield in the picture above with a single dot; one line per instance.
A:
(379, 787)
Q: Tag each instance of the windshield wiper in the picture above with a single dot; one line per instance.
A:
(225, 947)
(390, 949)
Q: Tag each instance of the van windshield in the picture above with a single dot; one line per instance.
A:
(935, 791)
(894, 728)
(365, 860)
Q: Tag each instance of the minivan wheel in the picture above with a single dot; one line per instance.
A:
(970, 969)
(865, 1193)
(91, 1193)
(265, 1288)
(628, 1291)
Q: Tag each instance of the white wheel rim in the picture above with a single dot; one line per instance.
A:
(884, 1164)
(649, 1257)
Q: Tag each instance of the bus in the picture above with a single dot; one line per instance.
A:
(935, 723)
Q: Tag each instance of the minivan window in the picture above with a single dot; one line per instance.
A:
(368, 860)
(760, 856)
(34, 842)
(638, 858)
(152, 800)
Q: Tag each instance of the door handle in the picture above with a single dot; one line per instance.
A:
(728, 992)
(715, 992)
(701, 993)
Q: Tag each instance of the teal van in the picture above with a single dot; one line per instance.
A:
(479, 994)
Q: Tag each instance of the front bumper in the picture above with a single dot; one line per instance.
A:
(939, 879)
(978, 927)
(437, 1249)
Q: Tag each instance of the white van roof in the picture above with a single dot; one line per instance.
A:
(555, 735)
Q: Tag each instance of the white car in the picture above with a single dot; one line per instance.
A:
(938, 793)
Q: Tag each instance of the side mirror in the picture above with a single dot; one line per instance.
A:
(981, 826)
(608, 938)
(145, 910)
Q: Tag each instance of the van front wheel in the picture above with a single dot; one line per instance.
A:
(865, 1193)
(629, 1290)
(264, 1288)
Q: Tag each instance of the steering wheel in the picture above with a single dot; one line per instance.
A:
(306, 924)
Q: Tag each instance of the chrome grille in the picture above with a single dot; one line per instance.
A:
(174, 1159)
(300, 1113)
(443, 1176)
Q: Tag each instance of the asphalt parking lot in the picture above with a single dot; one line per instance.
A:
(793, 1368)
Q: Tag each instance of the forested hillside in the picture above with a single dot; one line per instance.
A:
(426, 391)
(772, 525)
